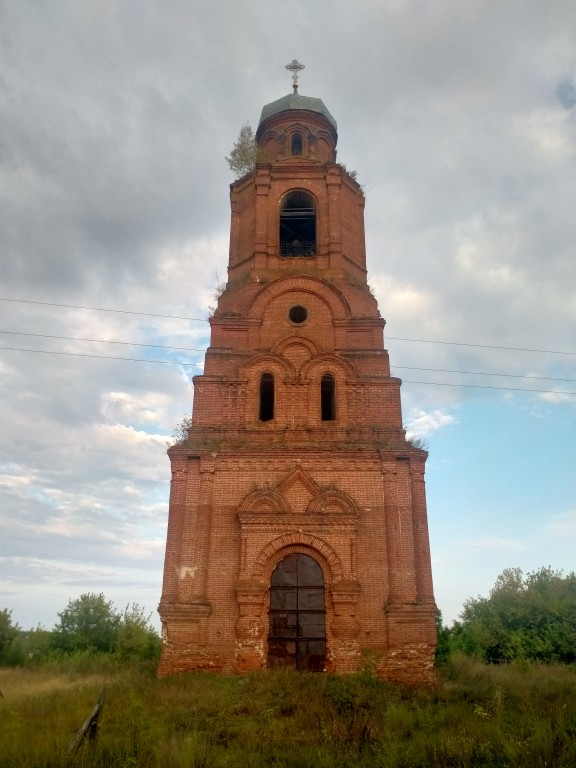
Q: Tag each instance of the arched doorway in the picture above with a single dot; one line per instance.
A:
(297, 635)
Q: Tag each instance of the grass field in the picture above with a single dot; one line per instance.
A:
(476, 716)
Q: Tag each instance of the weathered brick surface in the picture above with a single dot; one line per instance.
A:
(349, 492)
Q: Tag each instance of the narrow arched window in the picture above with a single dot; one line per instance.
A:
(297, 144)
(298, 224)
(328, 397)
(266, 409)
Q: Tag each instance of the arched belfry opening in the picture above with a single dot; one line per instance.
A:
(298, 224)
(297, 636)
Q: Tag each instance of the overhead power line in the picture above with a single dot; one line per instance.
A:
(482, 346)
(104, 309)
(98, 357)
(486, 386)
(483, 373)
(103, 341)
(205, 320)
(183, 363)
(203, 349)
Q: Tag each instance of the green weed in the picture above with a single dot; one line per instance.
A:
(477, 715)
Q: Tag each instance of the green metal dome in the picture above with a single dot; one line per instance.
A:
(294, 101)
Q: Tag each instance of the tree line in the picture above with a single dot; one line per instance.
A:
(89, 624)
(526, 617)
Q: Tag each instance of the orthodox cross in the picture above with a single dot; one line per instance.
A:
(295, 67)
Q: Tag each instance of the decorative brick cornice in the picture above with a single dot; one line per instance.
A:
(264, 520)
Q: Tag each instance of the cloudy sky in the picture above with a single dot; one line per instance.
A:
(115, 117)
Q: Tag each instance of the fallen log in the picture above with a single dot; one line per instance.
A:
(89, 727)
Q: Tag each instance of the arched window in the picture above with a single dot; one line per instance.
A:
(297, 144)
(297, 635)
(266, 408)
(298, 224)
(328, 397)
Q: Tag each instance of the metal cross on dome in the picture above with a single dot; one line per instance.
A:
(295, 67)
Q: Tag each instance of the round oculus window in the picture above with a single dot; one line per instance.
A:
(298, 314)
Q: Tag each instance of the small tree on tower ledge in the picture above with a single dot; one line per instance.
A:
(245, 153)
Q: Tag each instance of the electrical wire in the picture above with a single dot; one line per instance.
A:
(203, 349)
(104, 309)
(482, 346)
(486, 386)
(183, 363)
(98, 357)
(205, 320)
(483, 373)
(103, 341)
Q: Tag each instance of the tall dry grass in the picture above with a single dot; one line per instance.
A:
(476, 716)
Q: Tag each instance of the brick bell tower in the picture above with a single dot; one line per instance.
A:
(297, 532)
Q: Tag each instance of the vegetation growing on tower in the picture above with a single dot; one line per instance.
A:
(245, 153)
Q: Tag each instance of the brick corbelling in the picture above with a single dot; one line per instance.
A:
(232, 322)
(326, 524)
(360, 323)
(323, 463)
(312, 438)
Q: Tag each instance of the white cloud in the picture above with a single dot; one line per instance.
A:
(550, 132)
(479, 259)
(422, 423)
(148, 408)
(557, 397)
(402, 300)
(16, 481)
(494, 544)
(563, 525)
(116, 154)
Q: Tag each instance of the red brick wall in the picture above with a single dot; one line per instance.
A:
(348, 492)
